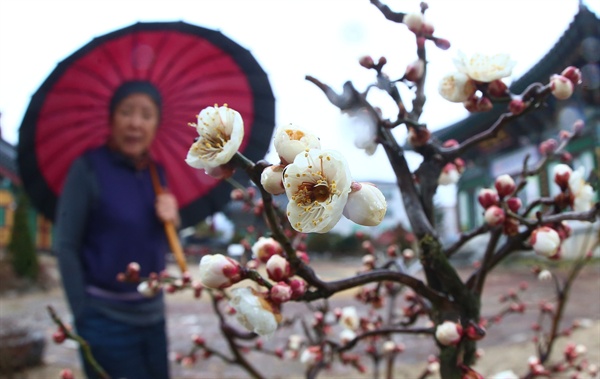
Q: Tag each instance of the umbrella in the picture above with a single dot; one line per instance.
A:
(193, 67)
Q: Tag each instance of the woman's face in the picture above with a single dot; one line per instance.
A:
(134, 124)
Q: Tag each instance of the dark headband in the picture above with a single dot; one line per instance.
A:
(131, 87)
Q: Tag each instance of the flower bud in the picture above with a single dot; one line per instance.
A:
(265, 247)
(66, 373)
(148, 288)
(366, 205)
(278, 268)
(414, 21)
(280, 293)
(478, 104)
(474, 332)
(448, 333)
(418, 136)
(59, 336)
(366, 62)
(219, 271)
(298, 287)
(562, 88)
(516, 106)
(545, 241)
(497, 88)
(573, 74)
(271, 179)
(456, 87)
(514, 203)
(442, 43)
(562, 174)
(488, 197)
(414, 71)
(494, 215)
(505, 185)
(548, 147)
(544, 275)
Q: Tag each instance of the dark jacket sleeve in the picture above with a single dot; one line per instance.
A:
(73, 208)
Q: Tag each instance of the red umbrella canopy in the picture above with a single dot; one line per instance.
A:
(191, 66)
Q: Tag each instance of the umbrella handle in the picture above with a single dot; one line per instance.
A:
(170, 230)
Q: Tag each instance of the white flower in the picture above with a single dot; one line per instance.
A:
(506, 375)
(484, 68)
(311, 355)
(544, 275)
(295, 341)
(349, 318)
(219, 271)
(346, 336)
(449, 175)
(272, 179)
(448, 333)
(254, 312)
(583, 193)
(317, 186)
(291, 140)
(364, 129)
(366, 205)
(146, 289)
(456, 87)
(414, 21)
(221, 131)
(278, 268)
(545, 241)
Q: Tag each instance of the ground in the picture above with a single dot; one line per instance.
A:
(506, 346)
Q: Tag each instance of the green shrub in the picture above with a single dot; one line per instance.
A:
(21, 249)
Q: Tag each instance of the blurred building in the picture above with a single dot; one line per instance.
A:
(10, 183)
(579, 46)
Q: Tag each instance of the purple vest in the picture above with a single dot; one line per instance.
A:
(123, 223)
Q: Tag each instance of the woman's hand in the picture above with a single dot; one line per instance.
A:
(167, 209)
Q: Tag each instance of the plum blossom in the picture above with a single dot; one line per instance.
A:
(456, 87)
(545, 241)
(346, 336)
(280, 293)
(221, 131)
(583, 193)
(254, 312)
(448, 333)
(219, 271)
(488, 197)
(278, 268)
(494, 215)
(349, 318)
(366, 205)
(562, 88)
(317, 185)
(484, 68)
(311, 355)
(449, 175)
(414, 21)
(505, 185)
(290, 140)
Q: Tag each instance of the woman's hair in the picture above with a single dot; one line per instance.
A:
(136, 86)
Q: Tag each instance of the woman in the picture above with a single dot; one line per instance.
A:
(108, 216)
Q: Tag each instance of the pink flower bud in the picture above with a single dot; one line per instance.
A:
(488, 197)
(573, 74)
(505, 185)
(578, 126)
(367, 62)
(59, 336)
(280, 293)
(516, 106)
(220, 172)
(442, 43)
(199, 341)
(514, 203)
(298, 287)
(278, 268)
(548, 147)
(478, 104)
(475, 332)
(66, 373)
(414, 71)
(448, 333)
(237, 194)
(311, 355)
(449, 175)
(497, 88)
(494, 215)
(418, 136)
(427, 28)
(562, 88)
(562, 173)
(219, 271)
(545, 241)
(265, 248)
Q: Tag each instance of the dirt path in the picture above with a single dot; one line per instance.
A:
(507, 345)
